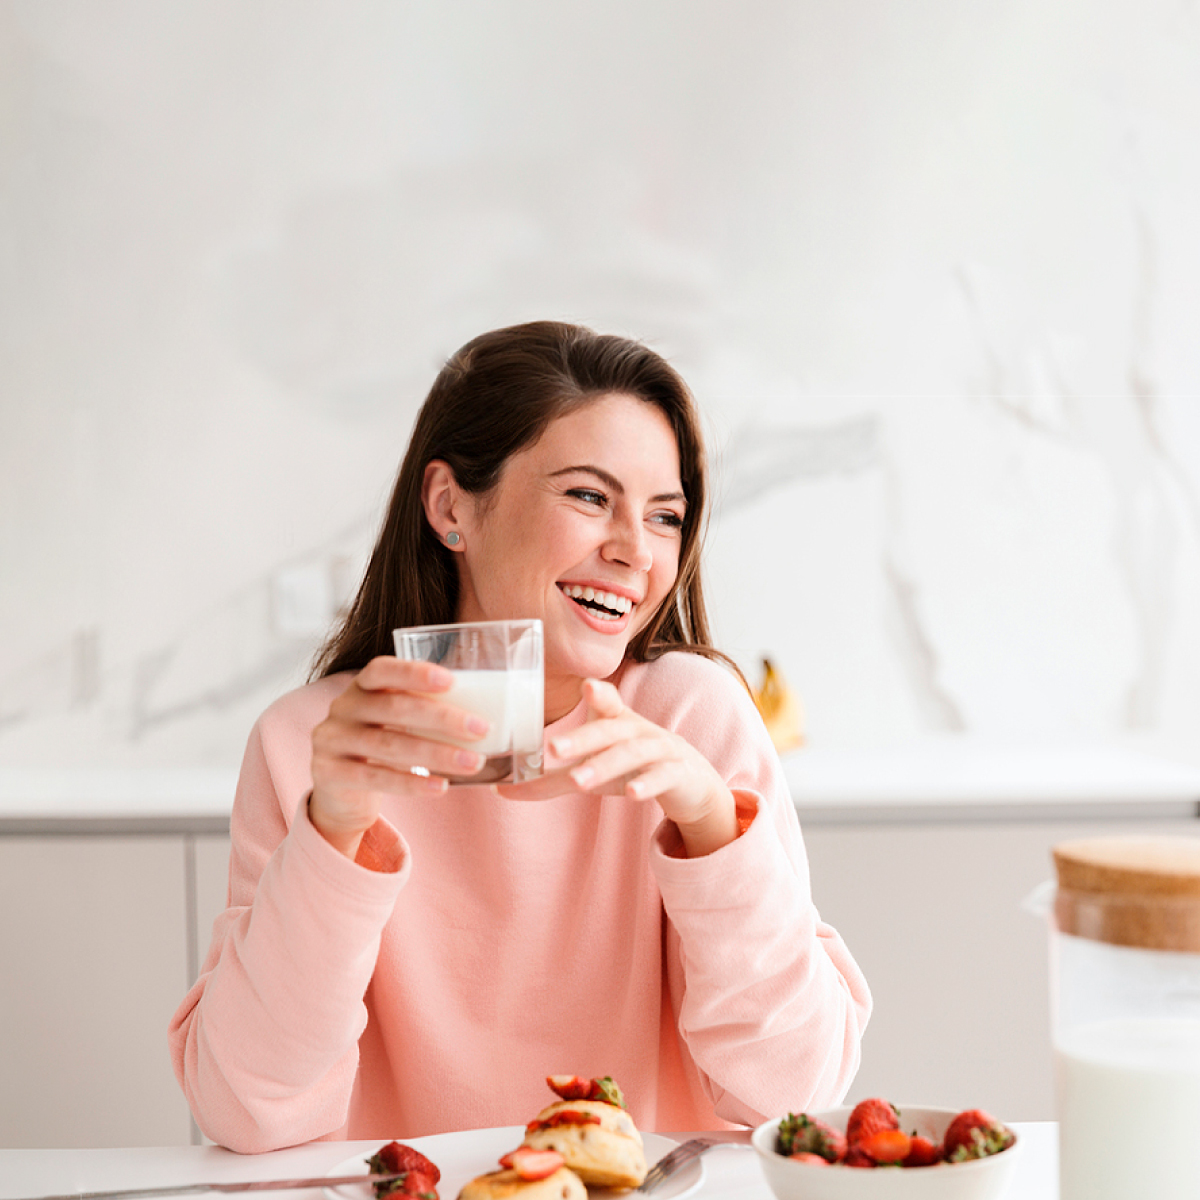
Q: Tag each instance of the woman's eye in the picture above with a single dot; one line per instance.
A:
(670, 519)
(588, 496)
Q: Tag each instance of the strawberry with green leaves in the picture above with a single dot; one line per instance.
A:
(802, 1134)
(418, 1176)
(975, 1134)
(575, 1087)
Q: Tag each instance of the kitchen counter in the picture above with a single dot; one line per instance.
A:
(44, 801)
(967, 779)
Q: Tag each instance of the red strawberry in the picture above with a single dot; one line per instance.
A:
(868, 1117)
(886, 1146)
(922, 1152)
(856, 1156)
(531, 1164)
(806, 1135)
(564, 1116)
(570, 1087)
(417, 1183)
(575, 1087)
(397, 1157)
(805, 1157)
(975, 1134)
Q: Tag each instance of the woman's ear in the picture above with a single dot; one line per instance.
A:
(442, 500)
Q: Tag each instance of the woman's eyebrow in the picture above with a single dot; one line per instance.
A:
(612, 482)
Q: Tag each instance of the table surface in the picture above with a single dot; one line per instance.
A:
(731, 1173)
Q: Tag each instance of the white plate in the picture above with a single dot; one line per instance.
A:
(463, 1156)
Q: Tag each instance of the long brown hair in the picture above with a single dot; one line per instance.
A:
(493, 398)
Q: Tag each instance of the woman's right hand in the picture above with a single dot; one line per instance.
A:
(384, 724)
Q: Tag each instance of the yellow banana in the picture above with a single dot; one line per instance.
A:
(780, 708)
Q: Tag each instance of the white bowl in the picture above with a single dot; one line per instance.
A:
(976, 1179)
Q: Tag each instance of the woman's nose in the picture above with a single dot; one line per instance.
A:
(628, 544)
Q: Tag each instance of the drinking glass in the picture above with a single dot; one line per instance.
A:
(498, 674)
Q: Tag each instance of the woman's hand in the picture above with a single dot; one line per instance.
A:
(620, 752)
(389, 720)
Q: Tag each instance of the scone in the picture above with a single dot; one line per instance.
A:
(508, 1185)
(597, 1138)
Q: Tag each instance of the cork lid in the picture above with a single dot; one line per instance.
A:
(1131, 891)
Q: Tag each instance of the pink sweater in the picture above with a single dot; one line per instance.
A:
(488, 943)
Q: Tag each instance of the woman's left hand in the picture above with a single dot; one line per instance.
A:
(619, 752)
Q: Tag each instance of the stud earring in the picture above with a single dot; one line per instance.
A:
(453, 538)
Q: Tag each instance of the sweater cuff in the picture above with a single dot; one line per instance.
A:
(383, 854)
(668, 843)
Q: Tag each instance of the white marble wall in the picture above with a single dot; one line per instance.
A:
(933, 270)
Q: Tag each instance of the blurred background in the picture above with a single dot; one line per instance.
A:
(932, 270)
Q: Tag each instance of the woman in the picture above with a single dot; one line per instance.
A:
(399, 958)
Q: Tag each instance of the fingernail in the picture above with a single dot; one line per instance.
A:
(434, 784)
(583, 775)
(439, 676)
(561, 746)
(468, 760)
(477, 724)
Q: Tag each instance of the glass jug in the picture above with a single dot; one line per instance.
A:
(1125, 1000)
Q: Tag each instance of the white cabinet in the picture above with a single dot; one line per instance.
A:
(95, 947)
(959, 971)
(101, 934)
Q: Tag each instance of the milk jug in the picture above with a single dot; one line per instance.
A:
(1125, 983)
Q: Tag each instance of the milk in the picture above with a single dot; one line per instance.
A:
(511, 701)
(1129, 1110)
(496, 672)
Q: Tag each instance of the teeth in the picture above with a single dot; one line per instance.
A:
(615, 603)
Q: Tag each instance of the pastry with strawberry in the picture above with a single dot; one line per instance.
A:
(592, 1130)
(527, 1174)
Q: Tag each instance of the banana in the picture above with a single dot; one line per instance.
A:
(780, 707)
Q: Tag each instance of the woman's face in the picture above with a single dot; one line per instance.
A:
(583, 530)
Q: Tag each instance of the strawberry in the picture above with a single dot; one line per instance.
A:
(570, 1087)
(531, 1164)
(564, 1116)
(886, 1146)
(415, 1170)
(806, 1135)
(420, 1185)
(397, 1157)
(805, 1157)
(975, 1134)
(575, 1087)
(922, 1152)
(870, 1116)
(856, 1156)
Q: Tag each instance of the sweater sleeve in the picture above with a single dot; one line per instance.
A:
(767, 998)
(265, 1044)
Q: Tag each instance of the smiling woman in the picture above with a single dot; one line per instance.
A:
(582, 530)
(400, 959)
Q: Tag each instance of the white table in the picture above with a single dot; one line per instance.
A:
(730, 1173)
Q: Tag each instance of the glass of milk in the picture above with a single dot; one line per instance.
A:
(498, 674)
(1125, 974)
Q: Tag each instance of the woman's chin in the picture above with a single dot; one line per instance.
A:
(584, 666)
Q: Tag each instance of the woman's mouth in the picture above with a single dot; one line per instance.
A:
(605, 606)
